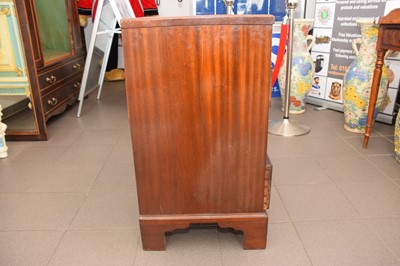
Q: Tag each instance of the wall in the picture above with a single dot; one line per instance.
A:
(169, 8)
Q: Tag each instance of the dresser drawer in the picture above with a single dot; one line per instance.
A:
(391, 38)
(56, 101)
(56, 75)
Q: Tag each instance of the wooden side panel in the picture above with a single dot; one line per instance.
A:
(198, 108)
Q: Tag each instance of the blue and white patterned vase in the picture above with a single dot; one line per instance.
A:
(397, 138)
(303, 68)
(358, 80)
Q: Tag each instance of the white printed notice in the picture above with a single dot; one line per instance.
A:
(335, 28)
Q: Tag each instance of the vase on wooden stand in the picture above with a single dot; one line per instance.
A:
(358, 79)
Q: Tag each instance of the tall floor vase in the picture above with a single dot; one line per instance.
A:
(302, 67)
(358, 79)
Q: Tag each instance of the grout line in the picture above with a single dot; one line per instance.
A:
(383, 242)
(137, 249)
(302, 244)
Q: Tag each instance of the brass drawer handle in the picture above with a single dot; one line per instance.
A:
(77, 85)
(51, 79)
(52, 102)
(76, 66)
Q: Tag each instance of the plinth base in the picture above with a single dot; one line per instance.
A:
(287, 128)
(253, 225)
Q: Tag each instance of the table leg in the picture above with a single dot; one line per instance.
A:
(374, 94)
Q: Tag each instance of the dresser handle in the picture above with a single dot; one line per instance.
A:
(51, 79)
(52, 102)
(76, 66)
(77, 85)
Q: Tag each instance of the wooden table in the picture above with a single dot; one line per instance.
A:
(388, 39)
(198, 91)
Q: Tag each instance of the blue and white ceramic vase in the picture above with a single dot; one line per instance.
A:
(358, 80)
(302, 67)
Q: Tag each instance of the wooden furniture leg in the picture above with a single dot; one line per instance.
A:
(153, 232)
(374, 95)
(253, 225)
(254, 232)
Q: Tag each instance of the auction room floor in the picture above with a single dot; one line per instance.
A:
(72, 200)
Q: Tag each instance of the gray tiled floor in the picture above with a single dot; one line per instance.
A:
(72, 200)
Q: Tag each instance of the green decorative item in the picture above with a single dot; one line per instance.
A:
(397, 138)
(358, 80)
(302, 67)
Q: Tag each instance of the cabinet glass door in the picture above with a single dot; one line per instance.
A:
(53, 29)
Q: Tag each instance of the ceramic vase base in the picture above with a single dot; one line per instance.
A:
(354, 130)
(3, 154)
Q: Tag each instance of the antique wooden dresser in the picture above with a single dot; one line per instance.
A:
(198, 91)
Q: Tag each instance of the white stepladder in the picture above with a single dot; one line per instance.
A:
(120, 9)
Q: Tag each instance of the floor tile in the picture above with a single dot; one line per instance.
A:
(387, 164)
(28, 247)
(283, 248)
(277, 211)
(59, 136)
(43, 211)
(388, 229)
(116, 177)
(125, 137)
(107, 122)
(67, 178)
(339, 130)
(97, 247)
(373, 199)
(72, 199)
(121, 154)
(8, 203)
(320, 131)
(108, 209)
(376, 145)
(195, 247)
(283, 147)
(327, 147)
(350, 169)
(303, 170)
(343, 242)
(327, 116)
(315, 202)
(383, 129)
(68, 119)
(86, 154)
(38, 155)
(21, 178)
(98, 137)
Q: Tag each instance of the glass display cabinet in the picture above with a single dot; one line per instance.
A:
(41, 63)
